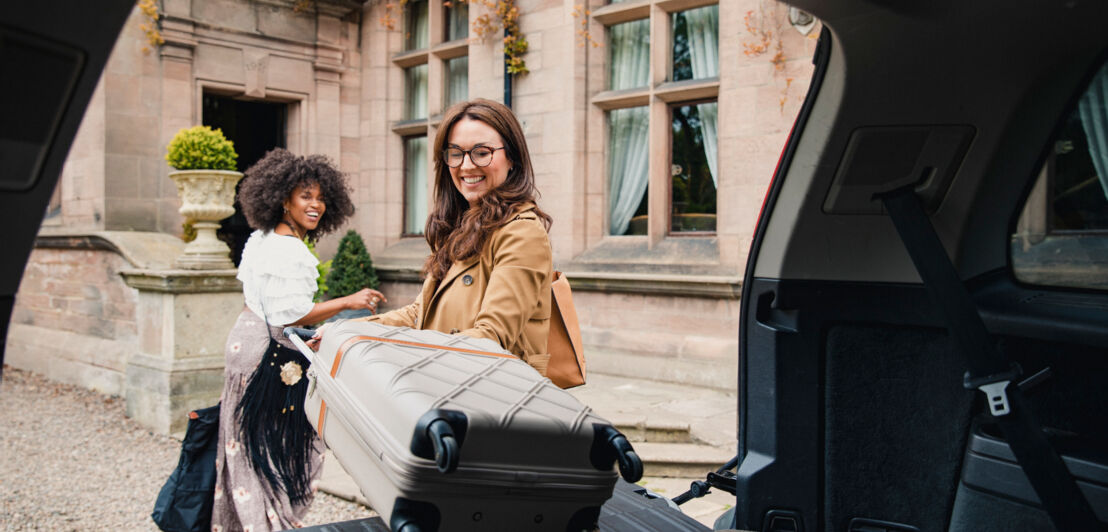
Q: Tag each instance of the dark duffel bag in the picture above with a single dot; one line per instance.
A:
(185, 502)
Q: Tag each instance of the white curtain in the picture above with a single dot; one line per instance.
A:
(415, 185)
(1093, 109)
(458, 24)
(629, 55)
(702, 25)
(628, 142)
(418, 33)
(628, 148)
(415, 105)
(457, 84)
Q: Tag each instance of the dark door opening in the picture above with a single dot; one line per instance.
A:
(254, 128)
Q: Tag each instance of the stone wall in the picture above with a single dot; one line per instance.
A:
(107, 310)
(74, 318)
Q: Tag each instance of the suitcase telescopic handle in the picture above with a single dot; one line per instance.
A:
(296, 335)
(304, 334)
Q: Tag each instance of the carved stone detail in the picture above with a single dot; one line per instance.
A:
(207, 196)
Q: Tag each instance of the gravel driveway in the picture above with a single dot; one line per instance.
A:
(70, 459)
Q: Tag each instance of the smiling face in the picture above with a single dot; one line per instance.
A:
(474, 181)
(305, 207)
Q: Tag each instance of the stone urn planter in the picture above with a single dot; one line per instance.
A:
(207, 196)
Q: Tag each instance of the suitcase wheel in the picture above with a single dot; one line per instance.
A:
(610, 446)
(439, 436)
(630, 465)
(446, 446)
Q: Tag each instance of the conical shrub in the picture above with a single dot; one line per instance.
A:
(351, 268)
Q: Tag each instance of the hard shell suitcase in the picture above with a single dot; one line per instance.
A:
(448, 432)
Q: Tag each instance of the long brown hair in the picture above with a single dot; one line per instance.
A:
(455, 231)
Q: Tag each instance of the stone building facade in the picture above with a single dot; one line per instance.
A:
(654, 127)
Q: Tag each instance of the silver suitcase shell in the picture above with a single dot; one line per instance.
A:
(525, 455)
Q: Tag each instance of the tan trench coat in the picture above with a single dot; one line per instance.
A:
(502, 294)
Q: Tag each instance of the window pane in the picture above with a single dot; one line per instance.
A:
(416, 34)
(629, 55)
(415, 94)
(415, 185)
(696, 43)
(457, 20)
(628, 162)
(694, 168)
(457, 80)
(1061, 238)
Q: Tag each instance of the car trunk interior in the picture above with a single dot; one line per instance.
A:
(853, 412)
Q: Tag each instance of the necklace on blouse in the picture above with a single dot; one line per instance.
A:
(294, 232)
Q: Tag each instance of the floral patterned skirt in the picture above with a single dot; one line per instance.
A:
(243, 500)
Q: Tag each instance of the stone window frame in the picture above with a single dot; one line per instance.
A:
(659, 96)
(296, 122)
(435, 56)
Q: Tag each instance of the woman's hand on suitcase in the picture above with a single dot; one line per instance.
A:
(366, 298)
(313, 342)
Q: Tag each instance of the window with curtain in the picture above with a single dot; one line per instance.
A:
(457, 80)
(415, 185)
(690, 180)
(692, 166)
(695, 43)
(457, 20)
(415, 92)
(416, 32)
(424, 52)
(628, 142)
(1061, 238)
(629, 55)
(628, 170)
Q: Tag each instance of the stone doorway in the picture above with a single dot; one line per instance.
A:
(255, 127)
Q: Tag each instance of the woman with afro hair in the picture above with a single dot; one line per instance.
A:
(266, 475)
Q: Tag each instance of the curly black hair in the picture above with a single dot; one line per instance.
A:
(272, 180)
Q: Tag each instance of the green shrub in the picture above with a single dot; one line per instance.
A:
(201, 148)
(324, 268)
(351, 269)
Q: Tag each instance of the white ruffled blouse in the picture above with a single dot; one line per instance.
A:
(278, 273)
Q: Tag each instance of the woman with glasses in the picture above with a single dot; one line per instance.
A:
(490, 267)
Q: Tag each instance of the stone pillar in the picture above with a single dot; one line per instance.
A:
(183, 318)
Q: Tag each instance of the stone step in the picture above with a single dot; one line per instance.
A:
(681, 460)
(654, 431)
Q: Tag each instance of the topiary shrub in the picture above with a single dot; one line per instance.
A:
(351, 269)
(201, 148)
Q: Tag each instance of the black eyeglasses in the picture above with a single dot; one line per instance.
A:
(481, 156)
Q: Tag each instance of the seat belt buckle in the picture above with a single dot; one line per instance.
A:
(995, 388)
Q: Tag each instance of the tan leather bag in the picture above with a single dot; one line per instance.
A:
(566, 368)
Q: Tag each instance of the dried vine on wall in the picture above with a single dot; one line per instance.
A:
(584, 37)
(502, 14)
(149, 26)
(765, 35)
